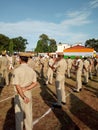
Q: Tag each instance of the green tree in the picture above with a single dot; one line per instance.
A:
(44, 38)
(45, 44)
(11, 47)
(39, 47)
(52, 45)
(42, 44)
(19, 44)
(4, 42)
(92, 43)
(15, 44)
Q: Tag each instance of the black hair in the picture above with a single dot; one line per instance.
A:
(24, 58)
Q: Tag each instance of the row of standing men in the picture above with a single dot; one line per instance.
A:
(84, 67)
(48, 66)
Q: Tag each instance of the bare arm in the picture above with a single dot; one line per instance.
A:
(21, 93)
(30, 86)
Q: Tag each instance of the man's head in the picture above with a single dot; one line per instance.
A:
(24, 57)
(4, 53)
(60, 54)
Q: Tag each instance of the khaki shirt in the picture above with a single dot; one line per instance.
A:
(4, 63)
(31, 63)
(50, 62)
(69, 63)
(86, 65)
(24, 75)
(61, 67)
(79, 64)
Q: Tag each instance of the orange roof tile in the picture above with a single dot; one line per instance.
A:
(79, 48)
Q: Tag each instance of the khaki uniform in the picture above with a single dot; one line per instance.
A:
(61, 68)
(69, 66)
(10, 59)
(90, 67)
(79, 66)
(86, 66)
(96, 67)
(4, 64)
(31, 63)
(41, 65)
(45, 66)
(23, 76)
(15, 60)
(50, 71)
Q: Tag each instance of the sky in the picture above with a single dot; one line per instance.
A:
(66, 21)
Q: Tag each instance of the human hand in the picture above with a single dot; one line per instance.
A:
(26, 100)
(24, 89)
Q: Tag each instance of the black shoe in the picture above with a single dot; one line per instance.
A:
(64, 103)
(56, 106)
(45, 84)
(75, 90)
(84, 83)
(80, 89)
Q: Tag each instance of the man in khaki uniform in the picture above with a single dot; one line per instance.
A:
(15, 60)
(50, 70)
(4, 65)
(69, 66)
(24, 79)
(79, 69)
(60, 67)
(31, 62)
(96, 66)
(41, 65)
(44, 62)
(86, 66)
(90, 59)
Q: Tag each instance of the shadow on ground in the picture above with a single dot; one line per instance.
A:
(49, 97)
(9, 123)
(84, 112)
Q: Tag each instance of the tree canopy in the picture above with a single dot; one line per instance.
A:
(4, 42)
(92, 43)
(45, 44)
(19, 44)
(12, 45)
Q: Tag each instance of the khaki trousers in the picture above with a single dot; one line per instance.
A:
(60, 88)
(86, 76)
(23, 113)
(49, 75)
(68, 72)
(79, 79)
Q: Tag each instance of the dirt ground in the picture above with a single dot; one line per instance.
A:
(79, 113)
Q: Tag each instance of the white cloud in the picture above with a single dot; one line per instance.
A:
(77, 18)
(94, 4)
(62, 32)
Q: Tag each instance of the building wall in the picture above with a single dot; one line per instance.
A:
(61, 47)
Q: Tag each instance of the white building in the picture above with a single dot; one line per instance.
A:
(62, 46)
